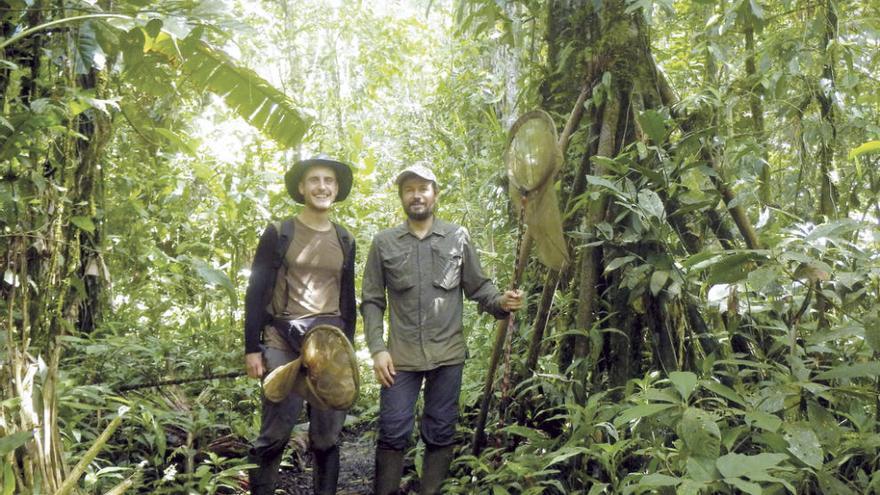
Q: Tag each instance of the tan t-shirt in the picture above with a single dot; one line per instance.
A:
(312, 273)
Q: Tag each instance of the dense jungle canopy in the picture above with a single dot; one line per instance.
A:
(716, 330)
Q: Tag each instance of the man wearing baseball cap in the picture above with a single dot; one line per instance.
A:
(425, 266)
(302, 277)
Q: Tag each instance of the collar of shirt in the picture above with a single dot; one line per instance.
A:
(439, 227)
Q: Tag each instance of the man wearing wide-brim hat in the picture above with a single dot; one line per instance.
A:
(300, 300)
(421, 270)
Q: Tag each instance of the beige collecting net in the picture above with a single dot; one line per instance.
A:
(533, 158)
(331, 366)
(325, 374)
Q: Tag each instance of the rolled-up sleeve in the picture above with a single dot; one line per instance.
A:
(373, 301)
(477, 286)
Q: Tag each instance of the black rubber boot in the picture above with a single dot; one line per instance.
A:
(389, 470)
(263, 478)
(325, 470)
(435, 468)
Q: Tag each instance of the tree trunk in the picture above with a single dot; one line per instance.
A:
(755, 94)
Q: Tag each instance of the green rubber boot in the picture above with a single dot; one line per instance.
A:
(435, 468)
(325, 471)
(389, 470)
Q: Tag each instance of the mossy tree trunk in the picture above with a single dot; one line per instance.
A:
(53, 274)
(624, 322)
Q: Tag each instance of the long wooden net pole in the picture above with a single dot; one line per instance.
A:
(479, 438)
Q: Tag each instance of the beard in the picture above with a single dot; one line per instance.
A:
(418, 216)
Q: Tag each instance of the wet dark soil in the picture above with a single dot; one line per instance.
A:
(357, 454)
(356, 463)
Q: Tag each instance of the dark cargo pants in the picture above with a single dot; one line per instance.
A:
(279, 418)
(440, 414)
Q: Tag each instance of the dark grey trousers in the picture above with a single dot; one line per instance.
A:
(278, 419)
(397, 407)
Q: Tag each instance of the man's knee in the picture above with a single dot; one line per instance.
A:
(399, 442)
(323, 438)
(395, 430)
(266, 448)
(439, 435)
(325, 427)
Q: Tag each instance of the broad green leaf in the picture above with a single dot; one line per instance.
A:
(804, 444)
(764, 420)
(830, 484)
(731, 269)
(723, 390)
(700, 433)
(603, 182)
(84, 223)
(527, 433)
(865, 148)
(212, 275)
(565, 453)
(702, 259)
(685, 382)
(499, 490)
(744, 486)
(640, 411)
(654, 125)
(88, 53)
(735, 465)
(614, 166)
(769, 478)
(657, 480)
(824, 423)
(14, 441)
(849, 371)
(702, 469)
(179, 141)
(618, 262)
(651, 204)
(757, 10)
(690, 487)
(662, 395)
(832, 230)
(764, 277)
(595, 489)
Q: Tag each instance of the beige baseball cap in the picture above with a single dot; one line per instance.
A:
(419, 170)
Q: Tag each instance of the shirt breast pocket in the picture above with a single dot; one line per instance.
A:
(447, 269)
(398, 272)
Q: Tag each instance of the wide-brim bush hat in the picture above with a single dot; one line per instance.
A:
(344, 177)
(325, 374)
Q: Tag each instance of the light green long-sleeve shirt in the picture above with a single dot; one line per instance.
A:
(424, 280)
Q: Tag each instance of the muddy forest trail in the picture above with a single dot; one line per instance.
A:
(355, 469)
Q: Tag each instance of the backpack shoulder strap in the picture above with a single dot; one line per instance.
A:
(285, 237)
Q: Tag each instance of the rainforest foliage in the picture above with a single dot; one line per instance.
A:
(716, 331)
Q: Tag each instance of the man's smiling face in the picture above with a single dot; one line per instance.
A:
(319, 187)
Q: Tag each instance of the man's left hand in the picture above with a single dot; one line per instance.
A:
(512, 300)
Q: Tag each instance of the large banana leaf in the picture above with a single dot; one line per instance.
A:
(209, 69)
